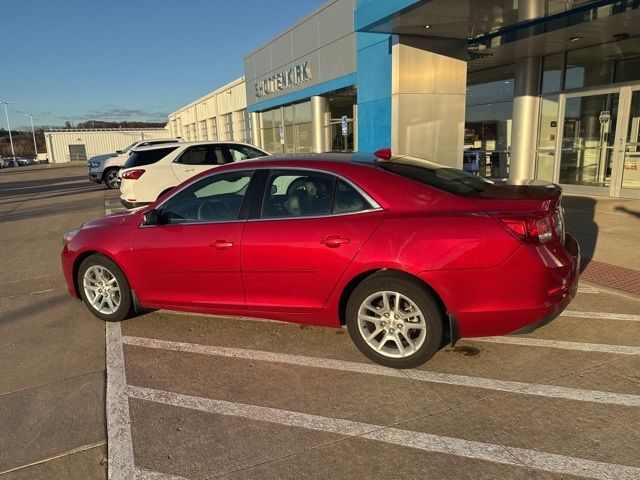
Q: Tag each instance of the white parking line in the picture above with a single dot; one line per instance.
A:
(541, 390)
(120, 457)
(143, 474)
(602, 315)
(520, 457)
(539, 342)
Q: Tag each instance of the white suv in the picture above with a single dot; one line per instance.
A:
(152, 171)
(104, 168)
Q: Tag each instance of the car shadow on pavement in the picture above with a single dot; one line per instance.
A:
(634, 213)
(580, 221)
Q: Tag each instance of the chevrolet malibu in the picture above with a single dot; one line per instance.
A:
(408, 254)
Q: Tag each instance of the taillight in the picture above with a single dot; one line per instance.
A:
(133, 174)
(558, 224)
(531, 230)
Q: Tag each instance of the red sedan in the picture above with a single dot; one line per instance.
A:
(410, 255)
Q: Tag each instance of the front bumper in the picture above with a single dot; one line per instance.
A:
(95, 175)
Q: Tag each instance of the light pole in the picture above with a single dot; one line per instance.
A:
(13, 153)
(33, 132)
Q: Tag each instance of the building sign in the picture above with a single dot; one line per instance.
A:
(283, 80)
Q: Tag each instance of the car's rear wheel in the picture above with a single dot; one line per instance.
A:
(394, 320)
(111, 179)
(104, 288)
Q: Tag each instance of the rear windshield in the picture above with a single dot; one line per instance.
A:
(448, 179)
(147, 157)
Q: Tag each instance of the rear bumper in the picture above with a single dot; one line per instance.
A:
(529, 290)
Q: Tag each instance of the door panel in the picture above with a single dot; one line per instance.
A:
(190, 265)
(294, 264)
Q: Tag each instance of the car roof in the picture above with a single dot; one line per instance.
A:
(189, 144)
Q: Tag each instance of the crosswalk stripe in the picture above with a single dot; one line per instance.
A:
(603, 315)
(540, 342)
(520, 457)
(542, 390)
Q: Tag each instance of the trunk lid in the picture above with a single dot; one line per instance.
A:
(526, 196)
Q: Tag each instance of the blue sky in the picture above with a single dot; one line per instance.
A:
(79, 60)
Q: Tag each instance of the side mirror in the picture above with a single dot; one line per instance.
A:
(150, 217)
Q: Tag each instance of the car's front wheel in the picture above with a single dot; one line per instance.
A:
(111, 179)
(104, 288)
(394, 320)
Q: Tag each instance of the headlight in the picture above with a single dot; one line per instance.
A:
(67, 237)
(94, 164)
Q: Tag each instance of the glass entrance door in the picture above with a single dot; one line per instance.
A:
(630, 147)
(587, 144)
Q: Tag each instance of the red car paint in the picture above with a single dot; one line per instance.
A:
(300, 269)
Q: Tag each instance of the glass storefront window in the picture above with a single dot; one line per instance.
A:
(552, 73)
(303, 112)
(603, 64)
(288, 115)
(488, 121)
(547, 132)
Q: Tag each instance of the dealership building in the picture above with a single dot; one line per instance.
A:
(546, 89)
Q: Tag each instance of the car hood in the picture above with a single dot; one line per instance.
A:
(119, 218)
(101, 158)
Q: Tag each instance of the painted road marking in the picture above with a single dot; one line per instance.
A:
(520, 457)
(120, 456)
(541, 390)
(56, 184)
(587, 289)
(539, 342)
(606, 316)
(143, 474)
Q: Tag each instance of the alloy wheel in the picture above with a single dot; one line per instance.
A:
(101, 289)
(112, 179)
(392, 324)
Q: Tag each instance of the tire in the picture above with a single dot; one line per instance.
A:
(419, 335)
(97, 273)
(110, 178)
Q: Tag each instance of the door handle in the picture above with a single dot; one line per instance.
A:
(334, 241)
(187, 170)
(221, 244)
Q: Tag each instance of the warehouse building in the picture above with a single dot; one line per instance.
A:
(546, 89)
(66, 145)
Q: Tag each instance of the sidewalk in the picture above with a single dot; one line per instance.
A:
(608, 231)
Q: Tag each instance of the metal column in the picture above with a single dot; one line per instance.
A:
(525, 103)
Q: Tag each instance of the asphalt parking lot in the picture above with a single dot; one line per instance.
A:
(197, 397)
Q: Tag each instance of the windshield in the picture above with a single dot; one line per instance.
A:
(147, 157)
(449, 179)
(125, 150)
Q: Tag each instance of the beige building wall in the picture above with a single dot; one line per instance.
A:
(95, 142)
(220, 115)
(428, 89)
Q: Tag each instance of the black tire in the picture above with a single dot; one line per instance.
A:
(126, 299)
(419, 295)
(110, 178)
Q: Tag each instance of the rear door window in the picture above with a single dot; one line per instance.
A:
(296, 193)
(243, 152)
(147, 157)
(202, 155)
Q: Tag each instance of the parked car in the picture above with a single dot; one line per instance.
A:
(410, 255)
(152, 171)
(104, 168)
(10, 162)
